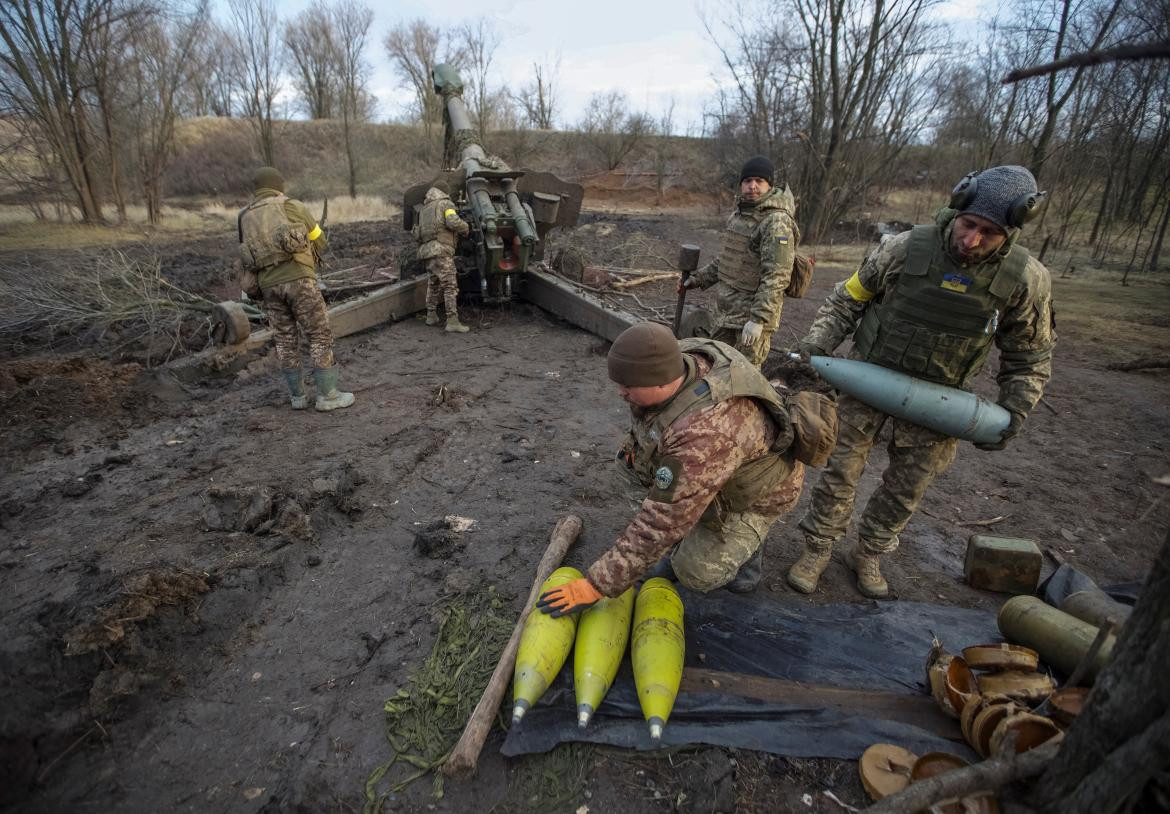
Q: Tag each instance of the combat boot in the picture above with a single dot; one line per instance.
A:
(806, 572)
(432, 316)
(454, 326)
(296, 389)
(869, 573)
(749, 574)
(328, 396)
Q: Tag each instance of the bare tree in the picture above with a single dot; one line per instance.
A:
(351, 24)
(835, 99)
(610, 130)
(212, 74)
(479, 41)
(309, 41)
(1053, 28)
(160, 51)
(42, 77)
(256, 36)
(414, 49)
(539, 97)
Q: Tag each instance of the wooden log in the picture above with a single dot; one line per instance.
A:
(649, 278)
(989, 775)
(462, 761)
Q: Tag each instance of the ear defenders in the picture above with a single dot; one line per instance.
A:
(1023, 209)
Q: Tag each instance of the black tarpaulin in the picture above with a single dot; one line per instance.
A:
(878, 647)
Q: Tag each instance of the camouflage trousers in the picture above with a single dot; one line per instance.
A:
(442, 286)
(917, 456)
(711, 555)
(294, 304)
(729, 335)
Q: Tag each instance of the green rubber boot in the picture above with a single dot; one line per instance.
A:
(328, 396)
(296, 389)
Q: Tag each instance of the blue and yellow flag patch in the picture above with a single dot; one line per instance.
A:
(956, 282)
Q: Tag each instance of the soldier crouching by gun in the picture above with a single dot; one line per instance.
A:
(280, 242)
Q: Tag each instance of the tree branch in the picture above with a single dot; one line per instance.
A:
(1149, 50)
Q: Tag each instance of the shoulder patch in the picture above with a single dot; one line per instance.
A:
(666, 478)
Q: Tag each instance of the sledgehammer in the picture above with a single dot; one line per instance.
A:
(465, 755)
(688, 261)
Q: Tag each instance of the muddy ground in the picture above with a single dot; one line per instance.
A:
(209, 597)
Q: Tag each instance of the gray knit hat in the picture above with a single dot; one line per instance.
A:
(645, 355)
(1007, 196)
(268, 178)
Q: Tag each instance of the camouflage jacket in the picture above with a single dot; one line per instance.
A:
(772, 239)
(1025, 333)
(707, 447)
(438, 226)
(291, 270)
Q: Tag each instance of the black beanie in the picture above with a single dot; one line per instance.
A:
(645, 355)
(268, 178)
(758, 167)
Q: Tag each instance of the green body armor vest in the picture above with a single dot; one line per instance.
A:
(939, 321)
(729, 376)
(268, 238)
(738, 267)
(435, 239)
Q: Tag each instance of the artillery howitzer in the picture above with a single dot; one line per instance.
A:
(510, 211)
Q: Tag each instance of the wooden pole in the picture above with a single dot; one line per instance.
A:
(462, 762)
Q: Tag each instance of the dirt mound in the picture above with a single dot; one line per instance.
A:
(138, 599)
(63, 388)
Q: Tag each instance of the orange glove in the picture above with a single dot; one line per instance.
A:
(569, 598)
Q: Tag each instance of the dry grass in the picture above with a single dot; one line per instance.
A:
(21, 231)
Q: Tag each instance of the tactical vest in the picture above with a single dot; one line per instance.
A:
(939, 321)
(739, 267)
(268, 238)
(729, 376)
(432, 228)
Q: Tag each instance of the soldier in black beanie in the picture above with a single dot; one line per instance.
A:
(754, 266)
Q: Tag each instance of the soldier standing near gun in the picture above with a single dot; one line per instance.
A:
(720, 454)
(439, 227)
(755, 264)
(280, 243)
(929, 302)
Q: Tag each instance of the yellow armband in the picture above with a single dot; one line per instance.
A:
(316, 233)
(856, 290)
(448, 213)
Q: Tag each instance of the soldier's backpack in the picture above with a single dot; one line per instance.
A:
(267, 236)
(802, 272)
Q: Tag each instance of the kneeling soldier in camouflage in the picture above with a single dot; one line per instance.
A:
(714, 443)
(280, 242)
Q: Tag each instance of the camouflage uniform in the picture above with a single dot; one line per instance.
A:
(718, 479)
(438, 226)
(299, 303)
(291, 296)
(753, 269)
(931, 343)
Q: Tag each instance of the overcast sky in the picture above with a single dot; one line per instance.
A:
(656, 51)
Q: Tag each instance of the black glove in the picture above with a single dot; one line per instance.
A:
(806, 350)
(1013, 429)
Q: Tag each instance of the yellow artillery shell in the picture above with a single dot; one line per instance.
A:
(544, 646)
(657, 651)
(602, 634)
